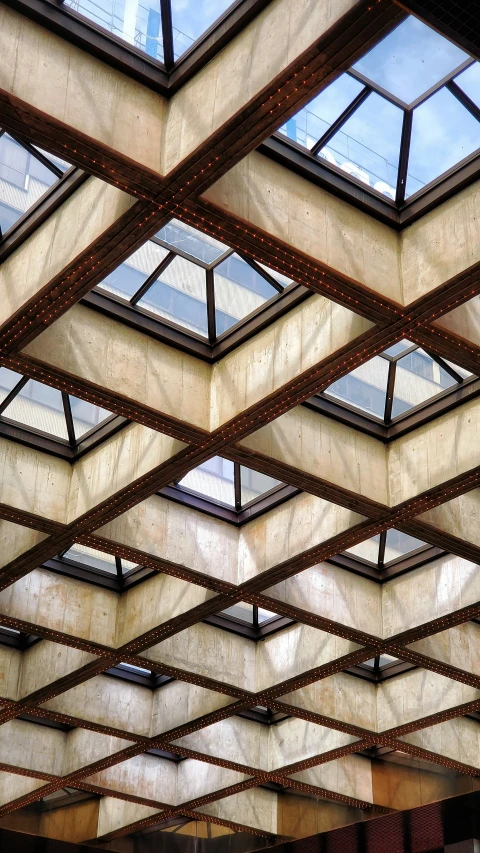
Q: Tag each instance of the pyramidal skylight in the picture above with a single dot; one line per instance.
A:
(402, 116)
(99, 561)
(386, 548)
(191, 280)
(414, 375)
(223, 482)
(26, 173)
(164, 31)
(46, 410)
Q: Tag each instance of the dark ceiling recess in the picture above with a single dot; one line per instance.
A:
(459, 20)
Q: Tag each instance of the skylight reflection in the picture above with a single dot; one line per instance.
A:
(191, 18)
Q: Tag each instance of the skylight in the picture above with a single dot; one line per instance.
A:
(44, 409)
(402, 116)
(191, 280)
(386, 548)
(412, 375)
(26, 173)
(98, 560)
(226, 483)
(156, 28)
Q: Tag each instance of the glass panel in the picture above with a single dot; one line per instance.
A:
(263, 615)
(127, 566)
(129, 276)
(180, 295)
(57, 161)
(254, 484)
(465, 374)
(469, 81)
(179, 235)
(239, 290)
(367, 550)
(138, 669)
(443, 134)
(86, 416)
(386, 660)
(241, 611)
(365, 387)
(8, 380)
(310, 123)
(397, 348)
(23, 180)
(418, 378)
(138, 23)
(213, 479)
(92, 558)
(368, 145)
(40, 407)
(283, 280)
(398, 544)
(190, 19)
(410, 60)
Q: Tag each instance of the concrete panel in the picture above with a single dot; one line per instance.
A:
(16, 540)
(464, 321)
(457, 739)
(434, 453)
(179, 534)
(157, 600)
(198, 779)
(12, 786)
(127, 456)
(10, 666)
(335, 594)
(458, 646)
(115, 814)
(296, 526)
(45, 662)
(178, 702)
(33, 481)
(441, 244)
(326, 449)
(432, 591)
(340, 697)
(146, 776)
(296, 342)
(84, 747)
(311, 220)
(256, 808)
(418, 694)
(33, 747)
(73, 87)
(109, 702)
(93, 208)
(459, 517)
(41, 597)
(110, 354)
(350, 776)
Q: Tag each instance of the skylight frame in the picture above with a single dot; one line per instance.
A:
(399, 212)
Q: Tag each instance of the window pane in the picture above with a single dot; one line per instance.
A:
(398, 544)
(129, 276)
(40, 407)
(367, 550)
(8, 380)
(310, 123)
(180, 295)
(365, 387)
(368, 145)
(57, 161)
(179, 235)
(23, 180)
(254, 484)
(213, 479)
(138, 23)
(239, 290)
(92, 558)
(469, 81)
(410, 60)
(283, 280)
(397, 348)
(443, 134)
(263, 615)
(191, 18)
(418, 378)
(86, 416)
(241, 611)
